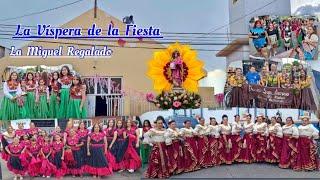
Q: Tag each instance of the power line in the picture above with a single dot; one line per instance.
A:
(13, 26)
(40, 12)
(115, 46)
(169, 41)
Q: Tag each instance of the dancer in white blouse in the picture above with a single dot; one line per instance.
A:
(226, 154)
(307, 153)
(236, 138)
(213, 132)
(248, 153)
(289, 151)
(274, 141)
(174, 148)
(190, 147)
(203, 144)
(260, 131)
(158, 161)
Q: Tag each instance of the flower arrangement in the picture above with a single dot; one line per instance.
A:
(175, 100)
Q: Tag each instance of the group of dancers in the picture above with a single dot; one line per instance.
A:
(176, 150)
(76, 151)
(42, 95)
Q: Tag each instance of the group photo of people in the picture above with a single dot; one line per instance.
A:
(293, 76)
(75, 151)
(284, 36)
(245, 140)
(31, 94)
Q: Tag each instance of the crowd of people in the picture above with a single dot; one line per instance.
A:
(184, 150)
(293, 77)
(75, 151)
(43, 95)
(294, 34)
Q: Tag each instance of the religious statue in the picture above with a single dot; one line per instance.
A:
(176, 67)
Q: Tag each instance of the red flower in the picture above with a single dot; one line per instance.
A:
(150, 97)
(176, 104)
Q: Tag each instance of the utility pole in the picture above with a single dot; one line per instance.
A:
(95, 8)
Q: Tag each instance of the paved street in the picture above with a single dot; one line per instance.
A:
(224, 171)
(6, 175)
(247, 171)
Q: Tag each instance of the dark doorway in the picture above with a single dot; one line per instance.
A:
(101, 106)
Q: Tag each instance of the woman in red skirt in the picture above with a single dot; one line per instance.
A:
(214, 144)
(248, 154)
(158, 159)
(289, 150)
(174, 149)
(274, 141)
(203, 152)
(260, 131)
(226, 155)
(189, 147)
(307, 150)
(236, 138)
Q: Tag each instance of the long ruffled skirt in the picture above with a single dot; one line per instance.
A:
(289, 152)
(274, 149)
(158, 162)
(190, 154)
(64, 102)
(53, 106)
(248, 152)
(97, 163)
(225, 151)
(261, 147)
(176, 160)
(307, 155)
(74, 109)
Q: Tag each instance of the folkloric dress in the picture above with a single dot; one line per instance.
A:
(307, 149)
(119, 147)
(190, 149)
(42, 94)
(174, 150)
(274, 143)
(260, 131)
(66, 83)
(61, 167)
(54, 103)
(76, 167)
(158, 159)
(248, 153)
(20, 133)
(83, 135)
(236, 141)
(145, 149)
(14, 162)
(9, 108)
(131, 157)
(47, 168)
(203, 150)
(214, 144)
(35, 161)
(226, 154)
(75, 102)
(97, 163)
(31, 98)
(289, 150)
(33, 131)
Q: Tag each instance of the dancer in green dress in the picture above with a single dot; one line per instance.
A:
(31, 95)
(66, 81)
(42, 100)
(54, 96)
(22, 100)
(76, 108)
(145, 149)
(9, 107)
